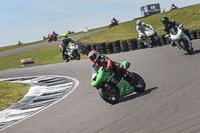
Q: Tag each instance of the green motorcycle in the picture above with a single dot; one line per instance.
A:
(113, 86)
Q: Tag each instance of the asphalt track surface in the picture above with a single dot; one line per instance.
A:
(23, 49)
(170, 103)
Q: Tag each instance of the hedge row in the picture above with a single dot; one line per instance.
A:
(126, 45)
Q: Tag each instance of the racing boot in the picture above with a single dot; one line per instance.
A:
(173, 43)
(130, 78)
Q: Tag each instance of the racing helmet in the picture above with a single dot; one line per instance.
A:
(93, 56)
(165, 20)
(139, 22)
(65, 35)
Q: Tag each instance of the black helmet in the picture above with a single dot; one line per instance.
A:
(165, 20)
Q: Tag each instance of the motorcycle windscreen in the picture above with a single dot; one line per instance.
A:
(95, 70)
(173, 30)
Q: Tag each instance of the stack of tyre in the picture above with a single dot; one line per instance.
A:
(87, 48)
(82, 49)
(102, 47)
(132, 44)
(163, 40)
(198, 34)
(116, 46)
(109, 47)
(193, 35)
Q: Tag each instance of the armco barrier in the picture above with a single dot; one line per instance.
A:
(30, 61)
(26, 62)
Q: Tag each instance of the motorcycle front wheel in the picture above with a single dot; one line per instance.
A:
(139, 83)
(109, 95)
(186, 46)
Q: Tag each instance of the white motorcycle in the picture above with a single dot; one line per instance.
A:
(71, 52)
(151, 39)
(181, 40)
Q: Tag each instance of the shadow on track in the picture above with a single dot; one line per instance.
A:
(196, 51)
(131, 97)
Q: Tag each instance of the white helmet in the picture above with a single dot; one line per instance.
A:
(139, 22)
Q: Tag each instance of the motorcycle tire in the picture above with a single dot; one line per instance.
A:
(110, 97)
(66, 58)
(78, 57)
(139, 83)
(186, 46)
(158, 41)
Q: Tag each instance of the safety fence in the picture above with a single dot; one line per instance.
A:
(127, 45)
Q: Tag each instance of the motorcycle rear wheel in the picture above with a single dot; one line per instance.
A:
(78, 57)
(139, 83)
(66, 58)
(110, 96)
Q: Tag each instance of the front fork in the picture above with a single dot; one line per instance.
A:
(188, 39)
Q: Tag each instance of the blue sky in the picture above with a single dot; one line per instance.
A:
(30, 20)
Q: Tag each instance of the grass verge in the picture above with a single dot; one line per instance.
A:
(42, 41)
(45, 55)
(189, 16)
(10, 93)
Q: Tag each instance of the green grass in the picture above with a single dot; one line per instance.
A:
(189, 16)
(10, 93)
(13, 92)
(42, 41)
(45, 55)
(19, 46)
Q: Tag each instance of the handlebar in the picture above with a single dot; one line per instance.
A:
(166, 36)
(181, 25)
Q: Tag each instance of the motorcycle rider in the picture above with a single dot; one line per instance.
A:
(115, 20)
(173, 7)
(167, 26)
(141, 28)
(65, 41)
(54, 33)
(108, 64)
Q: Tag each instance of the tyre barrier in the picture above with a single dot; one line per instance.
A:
(102, 47)
(97, 47)
(116, 46)
(193, 35)
(141, 45)
(127, 45)
(163, 40)
(82, 49)
(27, 62)
(132, 44)
(93, 47)
(109, 47)
(198, 34)
(124, 46)
(87, 49)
